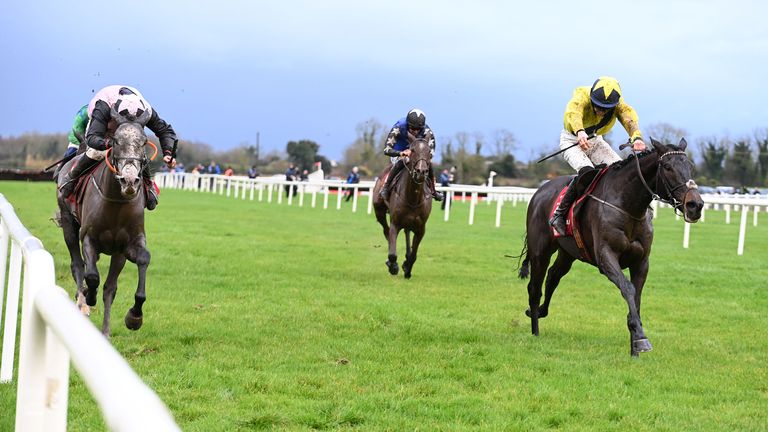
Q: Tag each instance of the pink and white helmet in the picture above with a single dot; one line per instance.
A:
(131, 108)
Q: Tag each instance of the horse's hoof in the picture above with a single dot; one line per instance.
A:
(85, 310)
(407, 274)
(133, 322)
(641, 345)
(393, 268)
(542, 313)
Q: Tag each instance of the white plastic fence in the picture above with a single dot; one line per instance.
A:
(270, 188)
(279, 189)
(52, 331)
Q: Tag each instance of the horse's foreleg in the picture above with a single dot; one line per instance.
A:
(110, 288)
(91, 256)
(135, 317)
(77, 265)
(413, 250)
(392, 257)
(609, 265)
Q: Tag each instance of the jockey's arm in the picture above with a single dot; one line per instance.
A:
(167, 136)
(96, 135)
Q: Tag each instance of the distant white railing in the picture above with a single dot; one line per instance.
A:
(277, 188)
(270, 188)
(52, 331)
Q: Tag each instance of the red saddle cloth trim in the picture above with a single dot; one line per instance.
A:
(571, 221)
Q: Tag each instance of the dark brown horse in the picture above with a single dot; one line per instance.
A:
(108, 218)
(615, 225)
(409, 205)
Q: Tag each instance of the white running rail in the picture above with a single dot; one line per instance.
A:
(52, 331)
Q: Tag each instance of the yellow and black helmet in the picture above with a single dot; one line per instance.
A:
(605, 92)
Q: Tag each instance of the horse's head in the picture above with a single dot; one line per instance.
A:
(126, 157)
(674, 180)
(419, 161)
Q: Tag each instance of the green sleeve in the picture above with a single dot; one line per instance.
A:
(78, 126)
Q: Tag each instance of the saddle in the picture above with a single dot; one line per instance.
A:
(75, 200)
(573, 241)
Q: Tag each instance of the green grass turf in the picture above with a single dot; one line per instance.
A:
(262, 316)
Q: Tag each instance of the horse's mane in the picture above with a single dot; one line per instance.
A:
(621, 163)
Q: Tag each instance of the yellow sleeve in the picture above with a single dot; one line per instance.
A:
(627, 116)
(573, 121)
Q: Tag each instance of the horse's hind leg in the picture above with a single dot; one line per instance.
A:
(561, 266)
(91, 256)
(110, 288)
(381, 217)
(135, 317)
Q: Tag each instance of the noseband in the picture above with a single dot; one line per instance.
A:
(671, 200)
(113, 160)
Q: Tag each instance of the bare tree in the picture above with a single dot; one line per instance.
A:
(665, 132)
(504, 142)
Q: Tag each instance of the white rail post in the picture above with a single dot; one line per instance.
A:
(472, 203)
(727, 213)
(354, 190)
(499, 203)
(41, 402)
(338, 198)
(11, 313)
(325, 198)
(742, 229)
(754, 215)
(448, 199)
(686, 234)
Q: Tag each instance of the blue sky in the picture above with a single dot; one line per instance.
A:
(222, 71)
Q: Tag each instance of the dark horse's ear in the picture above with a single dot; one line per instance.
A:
(661, 148)
(411, 137)
(683, 144)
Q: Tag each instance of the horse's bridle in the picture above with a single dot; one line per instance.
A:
(413, 172)
(112, 160)
(671, 200)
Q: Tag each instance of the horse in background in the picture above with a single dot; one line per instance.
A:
(614, 223)
(409, 205)
(106, 215)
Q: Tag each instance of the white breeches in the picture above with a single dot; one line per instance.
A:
(599, 151)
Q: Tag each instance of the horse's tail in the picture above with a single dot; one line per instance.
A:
(524, 267)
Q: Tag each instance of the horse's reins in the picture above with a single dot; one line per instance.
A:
(671, 200)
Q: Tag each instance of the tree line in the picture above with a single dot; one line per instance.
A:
(719, 160)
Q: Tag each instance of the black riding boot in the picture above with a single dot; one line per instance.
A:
(70, 178)
(558, 220)
(396, 168)
(149, 186)
(438, 196)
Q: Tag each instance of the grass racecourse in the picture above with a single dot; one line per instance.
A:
(262, 316)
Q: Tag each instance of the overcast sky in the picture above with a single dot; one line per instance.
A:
(221, 72)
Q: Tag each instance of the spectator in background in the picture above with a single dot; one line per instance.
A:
(352, 178)
(304, 175)
(213, 168)
(253, 172)
(445, 181)
(291, 174)
(229, 172)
